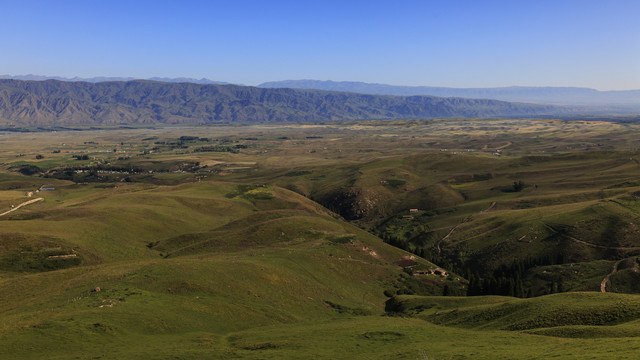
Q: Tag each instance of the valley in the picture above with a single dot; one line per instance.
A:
(404, 239)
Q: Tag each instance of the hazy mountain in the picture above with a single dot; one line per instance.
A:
(96, 79)
(53, 102)
(189, 80)
(541, 95)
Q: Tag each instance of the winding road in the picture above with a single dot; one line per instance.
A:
(467, 219)
(604, 282)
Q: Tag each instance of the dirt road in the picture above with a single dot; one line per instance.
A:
(21, 205)
(602, 246)
(604, 282)
(624, 248)
(467, 219)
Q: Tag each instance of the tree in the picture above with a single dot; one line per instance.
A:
(561, 284)
(518, 186)
(29, 170)
(446, 291)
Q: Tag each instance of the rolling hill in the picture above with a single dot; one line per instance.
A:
(173, 252)
(254, 272)
(200, 262)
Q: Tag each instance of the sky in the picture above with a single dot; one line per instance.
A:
(452, 43)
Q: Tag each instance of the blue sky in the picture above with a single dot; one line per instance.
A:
(436, 43)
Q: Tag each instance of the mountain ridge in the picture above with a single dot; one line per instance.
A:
(543, 95)
(96, 79)
(53, 102)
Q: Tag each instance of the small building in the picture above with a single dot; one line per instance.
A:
(436, 271)
(440, 272)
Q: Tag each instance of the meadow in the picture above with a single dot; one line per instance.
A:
(302, 241)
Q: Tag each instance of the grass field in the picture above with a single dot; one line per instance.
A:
(272, 241)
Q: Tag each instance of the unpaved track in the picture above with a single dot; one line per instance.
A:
(604, 282)
(486, 146)
(21, 205)
(490, 207)
(467, 219)
(602, 246)
(625, 248)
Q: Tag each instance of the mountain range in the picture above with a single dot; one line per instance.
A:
(540, 95)
(622, 100)
(54, 102)
(96, 79)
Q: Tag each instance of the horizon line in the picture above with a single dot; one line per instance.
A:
(205, 79)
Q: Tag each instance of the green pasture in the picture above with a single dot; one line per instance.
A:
(276, 250)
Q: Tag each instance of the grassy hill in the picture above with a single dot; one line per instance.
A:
(135, 267)
(569, 210)
(269, 241)
(571, 315)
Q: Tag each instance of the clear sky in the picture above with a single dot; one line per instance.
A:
(454, 43)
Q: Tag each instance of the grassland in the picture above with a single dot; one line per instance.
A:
(269, 241)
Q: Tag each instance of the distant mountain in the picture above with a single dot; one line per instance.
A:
(52, 102)
(540, 95)
(189, 80)
(31, 77)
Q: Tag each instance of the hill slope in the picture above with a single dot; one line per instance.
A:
(206, 264)
(51, 102)
(200, 262)
(300, 288)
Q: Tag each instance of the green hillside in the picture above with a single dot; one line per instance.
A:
(131, 265)
(335, 241)
(511, 217)
(548, 314)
